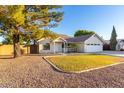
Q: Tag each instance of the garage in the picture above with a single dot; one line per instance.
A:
(88, 43)
(93, 48)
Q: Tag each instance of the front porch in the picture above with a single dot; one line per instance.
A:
(64, 47)
(59, 46)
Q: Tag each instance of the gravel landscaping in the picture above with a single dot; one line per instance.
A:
(33, 71)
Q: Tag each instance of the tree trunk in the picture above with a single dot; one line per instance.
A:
(16, 46)
(34, 42)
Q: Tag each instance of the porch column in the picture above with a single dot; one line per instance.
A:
(64, 47)
(54, 47)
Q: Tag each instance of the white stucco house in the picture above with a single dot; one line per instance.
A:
(120, 44)
(85, 43)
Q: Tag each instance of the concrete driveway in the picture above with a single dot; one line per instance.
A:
(113, 53)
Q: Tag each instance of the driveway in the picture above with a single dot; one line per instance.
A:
(33, 71)
(114, 53)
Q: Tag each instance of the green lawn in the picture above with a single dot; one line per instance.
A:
(83, 62)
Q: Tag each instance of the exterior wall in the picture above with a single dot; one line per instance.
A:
(93, 39)
(58, 46)
(25, 49)
(80, 47)
(95, 47)
(120, 45)
(41, 43)
(8, 49)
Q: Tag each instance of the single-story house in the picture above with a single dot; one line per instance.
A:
(85, 43)
(119, 45)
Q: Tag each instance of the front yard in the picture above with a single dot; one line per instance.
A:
(83, 62)
(33, 71)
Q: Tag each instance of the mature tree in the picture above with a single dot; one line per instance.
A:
(113, 40)
(27, 21)
(8, 39)
(36, 34)
(83, 32)
(41, 27)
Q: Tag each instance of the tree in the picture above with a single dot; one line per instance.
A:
(83, 32)
(36, 34)
(113, 40)
(8, 39)
(27, 21)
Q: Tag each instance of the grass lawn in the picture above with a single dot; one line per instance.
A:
(83, 62)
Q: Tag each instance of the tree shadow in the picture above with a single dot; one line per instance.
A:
(6, 57)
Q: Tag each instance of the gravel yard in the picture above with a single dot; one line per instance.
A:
(33, 71)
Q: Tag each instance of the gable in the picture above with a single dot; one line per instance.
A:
(121, 42)
(59, 40)
(44, 41)
(94, 39)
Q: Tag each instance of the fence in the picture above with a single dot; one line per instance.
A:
(72, 50)
(34, 49)
(8, 49)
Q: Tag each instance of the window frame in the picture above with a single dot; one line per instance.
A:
(46, 46)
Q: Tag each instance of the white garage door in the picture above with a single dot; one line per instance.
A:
(93, 48)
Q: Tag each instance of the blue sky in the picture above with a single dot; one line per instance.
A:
(96, 18)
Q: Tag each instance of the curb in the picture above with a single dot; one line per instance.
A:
(58, 69)
(111, 55)
(76, 72)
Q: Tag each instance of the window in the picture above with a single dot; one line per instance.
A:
(46, 46)
(93, 44)
(97, 44)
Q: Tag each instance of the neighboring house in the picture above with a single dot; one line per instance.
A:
(86, 43)
(119, 46)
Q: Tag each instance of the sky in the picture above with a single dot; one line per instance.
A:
(95, 18)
